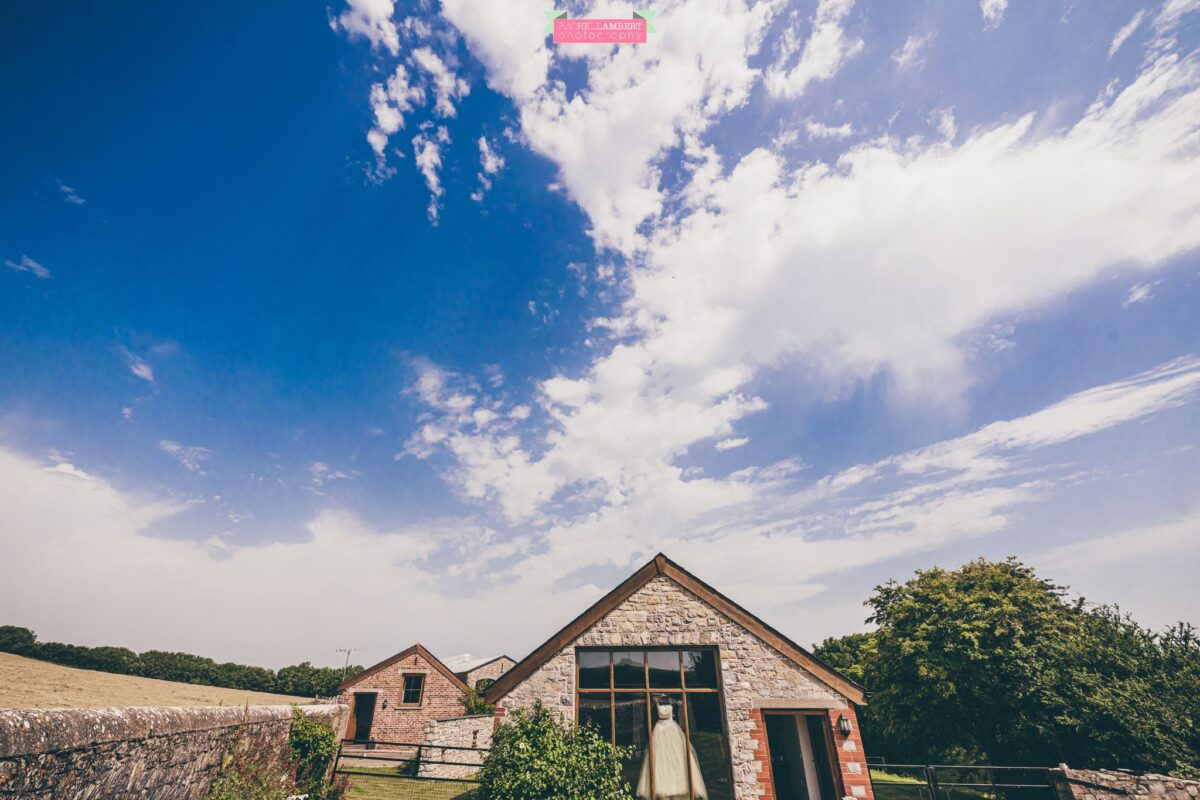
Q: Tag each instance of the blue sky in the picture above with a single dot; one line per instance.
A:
(358, 324)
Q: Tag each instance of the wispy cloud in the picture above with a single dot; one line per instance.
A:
(191, 458)
(27, 264)
(1140, 293)
(490, 163)
(823, 54)
(911, 55)
(819, 131)
(993, 11)
(1126, 31)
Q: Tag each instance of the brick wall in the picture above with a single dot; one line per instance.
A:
(134, 753)
(755, 676)
(856, 778)
(441, 699)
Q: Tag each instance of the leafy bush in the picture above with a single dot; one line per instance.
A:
(473, 703)
(16, 640)
(535, 756)
(302, 767)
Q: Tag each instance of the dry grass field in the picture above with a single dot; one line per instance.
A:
(26, 683)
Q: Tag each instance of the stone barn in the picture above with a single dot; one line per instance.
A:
(716, 704)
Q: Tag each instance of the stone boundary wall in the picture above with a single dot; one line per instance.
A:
(1102, 784)
(143, 753)
(474, 731)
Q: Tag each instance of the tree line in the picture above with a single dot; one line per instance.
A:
(300, 680)
(990, 663)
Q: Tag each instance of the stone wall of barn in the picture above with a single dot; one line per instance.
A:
(1101, 784)
(442, 739)
(754, 677)
(493, 670)
(442, 699)
(135, 753)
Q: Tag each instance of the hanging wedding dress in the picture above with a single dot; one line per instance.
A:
(673, 758)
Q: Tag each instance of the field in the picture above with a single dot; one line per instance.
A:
(387, 787)
(27, 683)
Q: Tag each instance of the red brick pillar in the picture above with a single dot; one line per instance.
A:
(762, 756)
(499, 717)
(851, 758)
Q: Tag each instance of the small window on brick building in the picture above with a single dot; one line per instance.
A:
(414, 685)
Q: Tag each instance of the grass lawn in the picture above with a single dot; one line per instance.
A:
(388, 783)
(29, 683)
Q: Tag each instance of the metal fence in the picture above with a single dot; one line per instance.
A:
(960, 782)
(377, 770)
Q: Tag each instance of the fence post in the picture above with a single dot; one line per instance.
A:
(931, 779)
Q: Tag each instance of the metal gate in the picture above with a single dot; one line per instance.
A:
(960, 782)
(377, 770)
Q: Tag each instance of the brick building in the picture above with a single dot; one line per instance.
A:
(393, 700)
(715, 703)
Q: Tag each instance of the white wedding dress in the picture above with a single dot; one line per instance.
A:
(673, 758)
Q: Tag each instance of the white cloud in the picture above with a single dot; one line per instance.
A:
(818, 131)
(191, 458)
(139, 367)
(827, 49)
(607, 138)
(1140, 293)
(447, 86)
(27, 264)
(490, 163)
(70, 195)
(428, 158)
(911, 54)
(371, 19)
(993, 11)
(730, 444)
(1179, 539)
(390, 101)
(1126, 31)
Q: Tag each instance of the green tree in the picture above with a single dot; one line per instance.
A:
(21, 641)
(535, 756)
(990, 663)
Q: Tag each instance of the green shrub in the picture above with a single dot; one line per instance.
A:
(301, 768)
(473, 703)
(535, 756)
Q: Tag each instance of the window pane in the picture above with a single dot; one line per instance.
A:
(700, 669)
(629, 670)
(412, 688)
(632, 724)
(596, 710)
(708, 745)
(675, 770)
(664, 669)
(593, 669)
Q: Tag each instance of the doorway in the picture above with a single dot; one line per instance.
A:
(364, 714)
(800, 750)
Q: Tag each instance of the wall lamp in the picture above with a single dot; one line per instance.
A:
(385, 703)
(843, 725)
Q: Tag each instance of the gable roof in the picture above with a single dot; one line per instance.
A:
(661, 565)
(466, 663)
(417, 649)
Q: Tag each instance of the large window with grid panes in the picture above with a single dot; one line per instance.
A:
(665, 705)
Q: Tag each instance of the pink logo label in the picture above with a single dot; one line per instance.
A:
(599, 31)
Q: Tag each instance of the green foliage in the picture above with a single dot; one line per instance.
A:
(990, 663)
(313, 746)
(16, 640)
(473, 703)
(535, 756)
(301, 680)
(252, 773)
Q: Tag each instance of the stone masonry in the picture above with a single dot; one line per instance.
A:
(442, 734)
(492, 670)
(135, 753)
(755, 677)
(1095, 784)
(441, 699)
